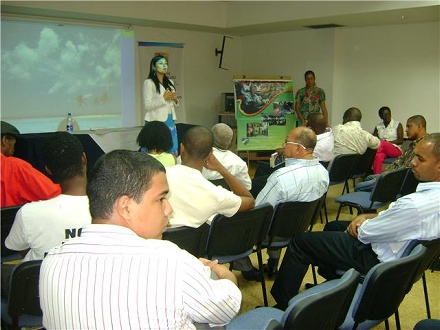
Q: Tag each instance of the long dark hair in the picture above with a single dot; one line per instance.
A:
(167, 84)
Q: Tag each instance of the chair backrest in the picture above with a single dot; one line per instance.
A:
(364, 163)
(331, 300)
(190, 239)
(221, 182)
(291, 218)
(7, 217)
(23, 292)
(317, 212)
(432, 251)
(409, 184)
(238, 234)
(385, 286)
(341, 168)
(388, 186)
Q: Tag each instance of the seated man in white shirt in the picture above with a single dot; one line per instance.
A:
(223, 135)
(119, 272)
(40, 226)
(349, 136)
(195, 199)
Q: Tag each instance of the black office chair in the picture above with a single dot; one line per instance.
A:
(237, 237)
(290, 219)
(385, 191)
(409, 184)
(22, 307)
(341, 169)
(7, 220)
(432, 252)
(362, 167)
(382, 291)
(330, 300)
(190, 239)
(221, 182)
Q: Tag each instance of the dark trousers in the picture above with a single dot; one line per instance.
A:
(329, 250)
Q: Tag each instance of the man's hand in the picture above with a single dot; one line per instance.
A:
(221, 271)
(213, 164)
(353, 227)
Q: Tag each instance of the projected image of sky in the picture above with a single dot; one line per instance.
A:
(49, 70)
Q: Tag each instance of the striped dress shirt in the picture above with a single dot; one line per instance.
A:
(110, 278)
(301, 180)
(414, 216)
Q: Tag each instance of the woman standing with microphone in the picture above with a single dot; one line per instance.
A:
(160, 97)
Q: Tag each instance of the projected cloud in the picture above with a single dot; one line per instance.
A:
(55, 69)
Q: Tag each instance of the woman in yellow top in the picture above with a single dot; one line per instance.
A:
(155, 139)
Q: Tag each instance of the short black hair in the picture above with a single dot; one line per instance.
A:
(434, 139)
(352, 114)
(382, 109)
(419, 120)
(155, 135)
(62, 154)
(198, 142)
(309, 72)
(116, 174)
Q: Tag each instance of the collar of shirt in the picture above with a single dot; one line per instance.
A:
(296, 161)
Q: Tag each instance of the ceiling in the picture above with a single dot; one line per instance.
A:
(232, 17)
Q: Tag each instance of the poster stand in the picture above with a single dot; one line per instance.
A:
(264, 112)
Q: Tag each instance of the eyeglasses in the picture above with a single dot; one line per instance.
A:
(294, 143)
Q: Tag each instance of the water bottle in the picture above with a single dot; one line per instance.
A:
(69, 125)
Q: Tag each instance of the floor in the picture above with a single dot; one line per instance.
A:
(412, 308)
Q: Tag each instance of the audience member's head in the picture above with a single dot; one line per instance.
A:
(155, 136)
(197, 143)
(63, 156)
(223, 135)
(352, 114)
(316, 122)
(385, 114)
(426, 161)
(9, 135)
(129, 189)
(415, 127)
(300, 143)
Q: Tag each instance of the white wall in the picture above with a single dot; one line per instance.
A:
(394, 65)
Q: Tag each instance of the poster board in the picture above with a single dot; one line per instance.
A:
(264, 110)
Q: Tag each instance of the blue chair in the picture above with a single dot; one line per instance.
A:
(321, 307)
(432, 252)
(385, 191)
(382, 291)
(234, 238)
(22, 307)
(341, 169)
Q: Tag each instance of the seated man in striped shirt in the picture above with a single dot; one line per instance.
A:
(119, 273)
(370, 238)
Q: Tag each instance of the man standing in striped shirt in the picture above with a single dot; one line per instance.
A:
(370, 238)
(119, 274)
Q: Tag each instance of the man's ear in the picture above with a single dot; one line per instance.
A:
(84, 159)
(122, 208)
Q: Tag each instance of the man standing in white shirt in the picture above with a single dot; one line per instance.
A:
(119, 273)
